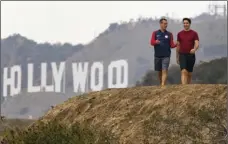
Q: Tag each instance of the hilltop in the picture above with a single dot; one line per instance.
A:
(140, 115)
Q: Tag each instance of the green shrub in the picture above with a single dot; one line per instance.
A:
(57, 133)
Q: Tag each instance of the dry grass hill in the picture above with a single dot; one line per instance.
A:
(190, 114)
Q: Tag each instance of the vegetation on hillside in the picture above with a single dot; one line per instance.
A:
(212, 72)
(7, 123)
(57, 133)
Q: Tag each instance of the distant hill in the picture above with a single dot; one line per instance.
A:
(19, 50)
(128, 40)
(131, 41)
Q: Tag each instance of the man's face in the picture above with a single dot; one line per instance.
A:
(186, 24)
(164, 24)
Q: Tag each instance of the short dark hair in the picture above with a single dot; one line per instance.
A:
(160, 21)
(187, 19)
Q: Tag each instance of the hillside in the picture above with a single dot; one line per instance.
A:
(19, 50)
(212, 72)
(127, 40)
(9, 123)
(131, 41)
(143, 115)
(36, 104)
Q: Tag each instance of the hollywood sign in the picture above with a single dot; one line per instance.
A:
(12, 77)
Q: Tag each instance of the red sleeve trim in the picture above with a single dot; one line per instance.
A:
(153, 41)
(196, 36)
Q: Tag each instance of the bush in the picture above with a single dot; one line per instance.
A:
(212, 72)
(57, 133)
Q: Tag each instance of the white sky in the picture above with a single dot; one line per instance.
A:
(79, 21)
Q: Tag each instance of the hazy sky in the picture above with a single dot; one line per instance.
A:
(79, 21)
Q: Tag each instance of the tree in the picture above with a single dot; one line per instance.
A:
(213, 72)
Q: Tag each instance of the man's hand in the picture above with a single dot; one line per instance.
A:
(177, 43)
(193, 51)
(177, 59)
(157, 42)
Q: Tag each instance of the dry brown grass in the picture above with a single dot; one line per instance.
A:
(152, 115)
(13, 123)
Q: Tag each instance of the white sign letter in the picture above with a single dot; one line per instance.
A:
(99, 66)
(79, 76)
(31, 88)
(7, 81)
(48, 88)
(118, 65)
(57, 75)
(14, 88)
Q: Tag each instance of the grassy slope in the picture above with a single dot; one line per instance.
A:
(175, 114)
(11, 123)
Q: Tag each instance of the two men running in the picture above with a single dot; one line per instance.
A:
(187, 44)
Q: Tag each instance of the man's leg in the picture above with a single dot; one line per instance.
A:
(165, 66)
(183, 67)
(190, 65)
(189, 78)
(184, 76)
(158, 68)
(160, 77)
(164, 77)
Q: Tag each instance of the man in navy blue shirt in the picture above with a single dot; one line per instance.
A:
(162, 40)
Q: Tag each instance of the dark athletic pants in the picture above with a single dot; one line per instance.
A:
(187, 61)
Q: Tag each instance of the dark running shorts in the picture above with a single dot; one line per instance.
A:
(187, 61)
(161, 63)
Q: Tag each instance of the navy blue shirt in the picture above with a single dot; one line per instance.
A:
(163, 49)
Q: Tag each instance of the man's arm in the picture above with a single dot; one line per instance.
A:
(196, 43)
(172, 45)
(152, 40)
(178, 48)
